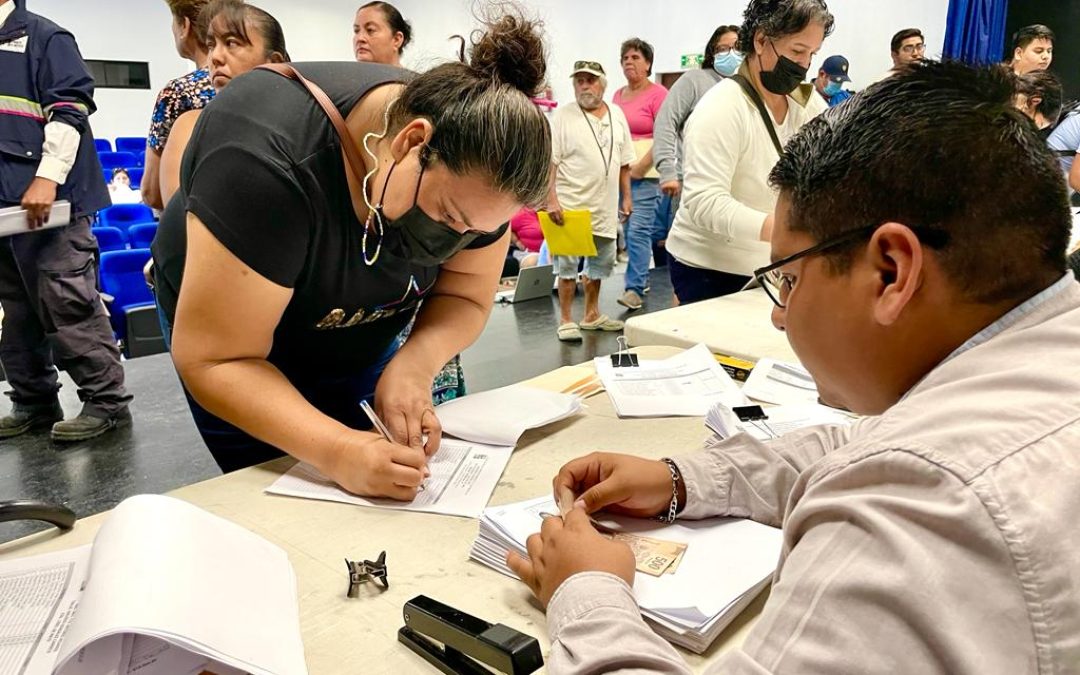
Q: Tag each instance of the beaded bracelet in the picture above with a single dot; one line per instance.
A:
(673, 509)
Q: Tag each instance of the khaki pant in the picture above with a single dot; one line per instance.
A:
(53, 316)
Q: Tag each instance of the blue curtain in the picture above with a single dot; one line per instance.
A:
(975, 32)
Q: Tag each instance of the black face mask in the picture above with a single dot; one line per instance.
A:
(784, 77)
(426, 242)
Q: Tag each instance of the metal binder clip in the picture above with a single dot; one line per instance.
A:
(755, 415)
(365, 571)
(623, 358)
(456, 642)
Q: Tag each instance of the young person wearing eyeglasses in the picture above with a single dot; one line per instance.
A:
(937, 534)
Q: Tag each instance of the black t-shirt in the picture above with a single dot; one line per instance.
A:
(264, 172)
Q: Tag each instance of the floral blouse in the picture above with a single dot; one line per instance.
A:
(190, 92)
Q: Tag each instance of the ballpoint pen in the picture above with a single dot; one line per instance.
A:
(381, 428)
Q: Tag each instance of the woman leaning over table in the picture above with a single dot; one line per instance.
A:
(308, 250)
(724, 223)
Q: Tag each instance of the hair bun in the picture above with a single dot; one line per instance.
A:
(509, 49)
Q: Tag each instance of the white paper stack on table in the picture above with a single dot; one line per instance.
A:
(165, 588)
(727, 562)
(686, 384)
(466, 468)
(781, 383)
(781, 419)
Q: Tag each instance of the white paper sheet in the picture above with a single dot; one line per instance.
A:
(780, 382)
(781, 419)
(13, 218)
(686, 384)
(501, 416)
(463, 476)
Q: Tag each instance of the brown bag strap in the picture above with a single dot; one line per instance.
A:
(352, 150)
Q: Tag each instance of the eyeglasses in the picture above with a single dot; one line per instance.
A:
(911, 49)
(591, 65)
(778, 284)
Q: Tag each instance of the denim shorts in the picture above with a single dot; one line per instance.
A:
(599, 266)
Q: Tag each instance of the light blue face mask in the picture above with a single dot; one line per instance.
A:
(833, 88)
(726, 64)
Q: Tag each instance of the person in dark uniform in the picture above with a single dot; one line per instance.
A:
(48, 279)
(297, 250)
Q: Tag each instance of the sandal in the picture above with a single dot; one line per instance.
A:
(569, 332)
(603, 323)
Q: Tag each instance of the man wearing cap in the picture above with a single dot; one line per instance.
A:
(590, 166)
(831, 78)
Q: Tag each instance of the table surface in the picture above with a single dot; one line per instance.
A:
(738, 325)
(426, 553)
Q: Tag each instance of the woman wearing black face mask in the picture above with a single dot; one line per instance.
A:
(324, 205)
(732, 140)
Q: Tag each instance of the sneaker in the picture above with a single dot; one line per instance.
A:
(23, 418)
(85, 427)
(630, 300)
(623, 256)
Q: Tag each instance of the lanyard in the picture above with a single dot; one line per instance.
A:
(611, 141)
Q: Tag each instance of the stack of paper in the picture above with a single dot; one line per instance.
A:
(686, 384)
(780, 382)
(779, 420)
(725, 564)
(501, 416)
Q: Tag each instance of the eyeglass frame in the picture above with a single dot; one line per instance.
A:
(934, 238)
(911, 49)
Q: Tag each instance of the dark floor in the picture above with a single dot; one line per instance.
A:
(162, 450)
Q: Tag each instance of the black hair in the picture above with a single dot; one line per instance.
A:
(232, 17)
(898, 39)
(483, 117)
(1046, 86)
(710, 46)
(1028, 34)
(640, 45)
(778, 18)
(892, 153)
(120, 170)
(397, 23)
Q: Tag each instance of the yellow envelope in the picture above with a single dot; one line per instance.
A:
(642, 146)
(573, 237)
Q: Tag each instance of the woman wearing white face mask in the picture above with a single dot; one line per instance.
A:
(721, 60)
(732, 140)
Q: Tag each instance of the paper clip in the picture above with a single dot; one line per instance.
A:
(755, 415)
(623, 358)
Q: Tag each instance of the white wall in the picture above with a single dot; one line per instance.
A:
(321, 30)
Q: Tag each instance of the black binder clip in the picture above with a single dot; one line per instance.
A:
(623, 358)
(456, 642)
(755, 416)
(361, 572)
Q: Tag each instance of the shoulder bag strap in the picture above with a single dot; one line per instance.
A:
(760, 105)
(352, 151)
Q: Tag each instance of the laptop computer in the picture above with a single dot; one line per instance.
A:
(531, 283)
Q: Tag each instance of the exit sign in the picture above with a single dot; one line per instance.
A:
(692, 61)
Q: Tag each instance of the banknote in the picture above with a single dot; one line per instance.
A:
(652, 556)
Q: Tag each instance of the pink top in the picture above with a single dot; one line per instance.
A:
(641, 111)
(526, 226)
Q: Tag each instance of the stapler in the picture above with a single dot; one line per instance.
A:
(458, 643)
(28, 509)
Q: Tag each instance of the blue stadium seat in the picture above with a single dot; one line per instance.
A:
(132, 144)
(109, 239)
(141, 235)
(132, 307)
(125, 216)
(136, 178)
(102, 145)
(112, 160)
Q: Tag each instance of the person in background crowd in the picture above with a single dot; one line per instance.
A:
(906, 47)
(591, 155)
(1064, 140)
(1038, 95)
(830, 80)
(936, 535)
(721, 60)
(48, 279)
(1033, 49)
(120, 190)
(640, 101)
(188, 92)
(724, 223)
(526, 238)
(240, 37)
(380, 34)
(295, 254)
